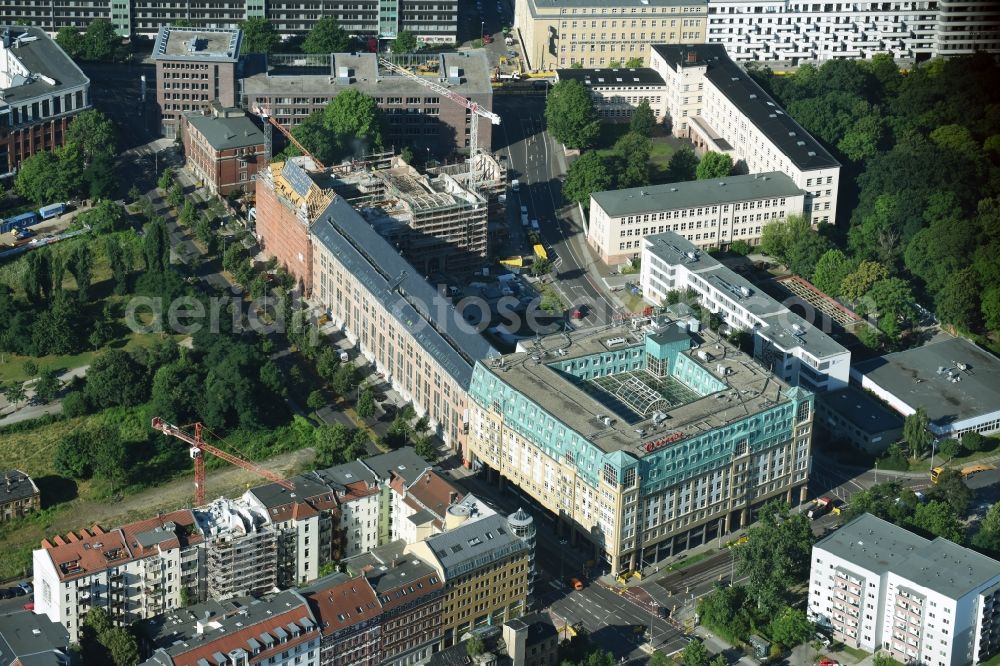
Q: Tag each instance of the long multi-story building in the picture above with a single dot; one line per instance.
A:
(616, 92)
(134, 572)
(799, 352)
(290, 87)
(878, 586)
(636, 441)
(716, 104)
(41, 89)
(194, 67)
(797, 32)
(403, 325)
(432, 23)
(706, 213)
(594, 33)
(281, 630)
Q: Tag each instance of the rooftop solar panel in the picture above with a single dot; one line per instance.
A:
(296, 177)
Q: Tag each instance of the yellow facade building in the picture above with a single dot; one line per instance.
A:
(597, 33)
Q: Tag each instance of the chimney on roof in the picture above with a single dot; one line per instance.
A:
(692, 57)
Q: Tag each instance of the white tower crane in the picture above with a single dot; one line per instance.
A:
(474, 107)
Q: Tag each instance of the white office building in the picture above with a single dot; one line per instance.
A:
(878, 586)
(795, 350)
(793, 32)
(707, 213)
(712, 101)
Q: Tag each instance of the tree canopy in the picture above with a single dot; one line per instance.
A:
(643, 120)
(587, 174)
(714, 165)
(326, 36)
(349, 125)
(259, 36)
(794, 243)
(405, 42)
(570, 114)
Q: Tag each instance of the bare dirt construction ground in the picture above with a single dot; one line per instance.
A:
(80, 513)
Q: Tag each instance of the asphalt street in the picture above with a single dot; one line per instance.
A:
(535, 160)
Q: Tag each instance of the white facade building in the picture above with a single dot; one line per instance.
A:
(794, 32)
(707, 213)
(617, 92)
(879, 586)
(713, 102)
(795, 350)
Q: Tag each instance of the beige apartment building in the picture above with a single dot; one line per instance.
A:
(594, 33)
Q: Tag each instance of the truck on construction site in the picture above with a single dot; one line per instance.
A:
(820, 507)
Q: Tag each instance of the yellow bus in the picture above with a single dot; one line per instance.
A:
(965, 472)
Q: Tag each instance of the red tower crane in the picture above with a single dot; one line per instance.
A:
(198, 449)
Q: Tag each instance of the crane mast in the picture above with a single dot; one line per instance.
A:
(199, 448)
(271, 120)
(472, 106)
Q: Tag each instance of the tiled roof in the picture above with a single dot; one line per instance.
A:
(340, 601)
(16, 485)
(433, 492)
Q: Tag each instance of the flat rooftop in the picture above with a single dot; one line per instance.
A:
(750, 388)
(49, 69)
(711, 192)
(913, 377)
(802, 149)
(778, 324)
(202, 44)
(861, 410)
(613, 78)
(881, 547)
(641, 5)
(226, 133)
(326, 74)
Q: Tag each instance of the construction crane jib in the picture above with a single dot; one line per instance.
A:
(474, 107)
(198, 447)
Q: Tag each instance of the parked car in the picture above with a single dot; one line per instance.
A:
(6, 593)
(28, 587)
(19, 591)
(576, 583)
(30, 606)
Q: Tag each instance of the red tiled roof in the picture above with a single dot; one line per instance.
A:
(433, 492)
(337, 606)
(231, 640)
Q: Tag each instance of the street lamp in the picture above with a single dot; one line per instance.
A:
(933, 451)
(876, 472)
(482, 29)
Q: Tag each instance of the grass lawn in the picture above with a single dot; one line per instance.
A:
(659, 156)
(11, 365)
(924, 464)
(694, 559)
(992, 661)
(853, 652)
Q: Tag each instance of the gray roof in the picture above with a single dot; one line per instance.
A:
(940, 565)
(912, 376)
(16, 485)
(759, 107)
(226, 133)
(861, 410)
(40, 57)
(780, 325)
(715, 191)
(613, 78)
(428, 317)
(282, 73)
(202, 44)
(398, 573)
(18, 639)
(272, 495)
(475, 544)
(403, 462)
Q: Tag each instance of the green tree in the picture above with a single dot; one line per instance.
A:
(541, 266)
(775, 557)
(80, 264)
(100, 42)
(37, 178)
(115, 379)
(916, 433)
(75, 404)
(958, 302)
(695, 654)
(405, 42)
(973, 441)
(683, 166)
(156, 247)
(121, 645)
(659, 658)
(165, 180)
(831, 269)
(950, 448)
(570, 114)
(313, 134)
(47, 387)
(259, 36)
(790, 627)
(331, 443)
(987, 538)
(893, 300)
(353, 117)
(344, 379)
(714, 165)
(938, 519)
(315, 400)
(175, 197)
(60, 328)
(15, 394)
(365, 406)
(326, 36)
(951, 489)
(474, 646)
(425, 448)
(117, 263)
(725, 609)
(633, 63)
(94, 134)
(643, 120)
(29, 368)
(175, 391)
(856, 284)
(71, 41)
(631, 152)
(327, 363)
(794, 243)
(586, 175)
(73, 456)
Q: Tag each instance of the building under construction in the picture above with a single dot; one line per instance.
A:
(241, 549)
(437, 220)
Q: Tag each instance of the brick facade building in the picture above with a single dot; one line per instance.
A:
(193, 69)
(225, 149)
(41, 89)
